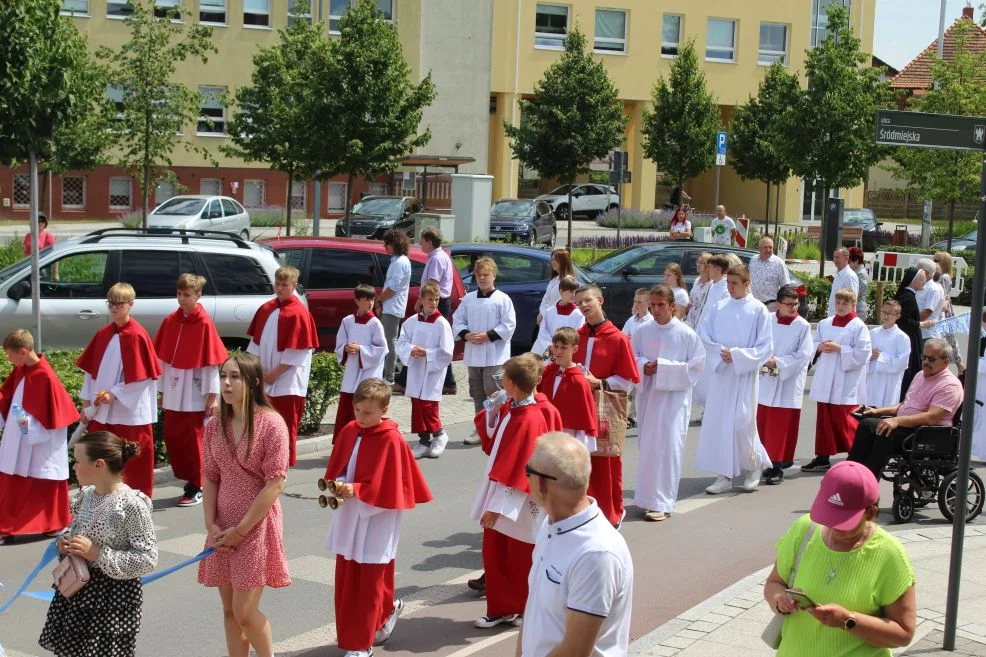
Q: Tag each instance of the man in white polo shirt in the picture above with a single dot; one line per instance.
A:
(581, 581)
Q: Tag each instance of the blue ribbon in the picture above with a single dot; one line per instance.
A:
(49, 554)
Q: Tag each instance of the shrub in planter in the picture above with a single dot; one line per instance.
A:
(323, 387)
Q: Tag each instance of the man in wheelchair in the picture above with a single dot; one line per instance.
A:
(933, 398)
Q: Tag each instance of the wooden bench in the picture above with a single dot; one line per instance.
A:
(850, 234)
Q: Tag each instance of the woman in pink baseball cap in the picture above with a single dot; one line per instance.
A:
(854, 581)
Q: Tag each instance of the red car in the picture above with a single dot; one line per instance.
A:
(332, 266)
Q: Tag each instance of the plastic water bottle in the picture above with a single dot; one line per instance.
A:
(19, 416)
(495, 402)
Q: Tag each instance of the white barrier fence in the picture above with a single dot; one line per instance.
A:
(890, 266)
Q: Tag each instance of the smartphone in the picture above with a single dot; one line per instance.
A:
(800, 598)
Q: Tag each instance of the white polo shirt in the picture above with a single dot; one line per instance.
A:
(580, 563)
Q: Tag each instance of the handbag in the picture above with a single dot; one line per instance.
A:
(611, 417)
(72, 572)
(772, 633)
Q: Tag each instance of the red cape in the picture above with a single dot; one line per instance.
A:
(295, 325)
(611, 352)
(387, 476)
(573, 399)
(199, 344)
(516, 446)
(551, 415)
(45, 397)
(136, 350)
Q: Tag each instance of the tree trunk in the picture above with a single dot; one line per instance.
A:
(766, 213)
(145, 183)
(821, 239)
(346, 221)
(951, 221)
(570, 214)
(287, 207)
(35, 265)
(777, 208)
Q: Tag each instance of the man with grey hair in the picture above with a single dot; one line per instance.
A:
(933, 398)
(931, 299)
(581, 581)
(767, 272)
(845, 278)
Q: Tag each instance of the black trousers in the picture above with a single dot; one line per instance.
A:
(444, 307)
(874, 451)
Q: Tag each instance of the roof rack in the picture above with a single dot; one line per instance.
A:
(183, 233)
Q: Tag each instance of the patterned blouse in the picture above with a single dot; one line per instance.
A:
(124, 531)
(700, 291)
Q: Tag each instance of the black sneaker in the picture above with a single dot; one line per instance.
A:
(773, 476)
(817, 464)
(192, 497)
(478, 584)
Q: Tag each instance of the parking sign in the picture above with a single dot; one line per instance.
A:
(721, 140)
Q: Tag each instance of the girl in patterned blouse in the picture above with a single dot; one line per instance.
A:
(112, 530)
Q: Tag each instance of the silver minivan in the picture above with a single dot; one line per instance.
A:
(201, 212)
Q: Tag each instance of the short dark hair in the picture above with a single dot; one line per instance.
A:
(364, 291)
(719, 261)
(397, 240)
(568, 284)
(663, 291)
(433, 235)
(787, 292)
(566, 335)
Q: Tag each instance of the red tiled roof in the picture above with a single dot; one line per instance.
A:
(917, 74)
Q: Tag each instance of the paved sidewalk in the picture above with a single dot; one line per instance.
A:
(730, 623)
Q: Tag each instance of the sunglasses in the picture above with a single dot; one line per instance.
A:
(531, 472)
(117, 304)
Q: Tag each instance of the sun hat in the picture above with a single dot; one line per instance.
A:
(847, 490)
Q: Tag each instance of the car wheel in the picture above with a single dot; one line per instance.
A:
(245, 235)
(562, 212)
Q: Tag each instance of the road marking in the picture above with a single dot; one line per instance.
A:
(313, 568)
(485, 643)
(188, 545)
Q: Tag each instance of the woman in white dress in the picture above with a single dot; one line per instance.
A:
(675, 279)
(561, 266)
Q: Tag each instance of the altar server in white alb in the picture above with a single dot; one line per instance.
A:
(670, 358)
(891, 351)
(561, 315)
(738, 341)
(426, 344)
(782, 384)
(485, 321)
(843, 343)
(361, 347)
(716, 264)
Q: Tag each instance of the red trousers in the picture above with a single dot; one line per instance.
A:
(424, 416)
(344, 414)
(290, 407)
(139, 471)
(364, 597)
(183, 432)
(33, 506)
(507, 562)
(835, 428)
(606, 486)
(778, 429)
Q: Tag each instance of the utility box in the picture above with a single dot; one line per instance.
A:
(702, 234)
(472, 198)
(833, 226)
(443, 222)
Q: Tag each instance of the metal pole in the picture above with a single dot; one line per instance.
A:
(968, 413)
(926, 225)
(316, 205)
(619, 207)
(716, 204)
(35, 265)
(941, 34)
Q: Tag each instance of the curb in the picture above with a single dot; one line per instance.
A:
(794, 261)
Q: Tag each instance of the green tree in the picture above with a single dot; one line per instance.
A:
(574, 118)
(948, 175)
(680, 134)
(754, 133)
(152, 108)
(373, 110)
(272, 121)
(827, 135)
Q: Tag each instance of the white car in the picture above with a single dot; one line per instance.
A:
(201, 212)
(588, 199)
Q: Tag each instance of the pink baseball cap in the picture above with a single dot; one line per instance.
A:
(847, 490)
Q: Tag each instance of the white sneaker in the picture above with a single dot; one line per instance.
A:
(388, 628)
(519, 621)
(472, 439)
(438, 444)
(420, 450)
(720, 485)
(360, 653)
(487, 622)
(749, 481)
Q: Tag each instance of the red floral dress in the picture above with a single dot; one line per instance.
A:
(259, 559)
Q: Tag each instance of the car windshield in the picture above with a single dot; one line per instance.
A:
(857, 217)
(17, 269)
(615, 262)
(379, 207)
(562, 191)
(181, 206)
(970, 236)
(512, 209)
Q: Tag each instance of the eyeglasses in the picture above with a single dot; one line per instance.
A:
(789, 304)
(931, 358)
(531, 472)
(117, 304)
(889, 313)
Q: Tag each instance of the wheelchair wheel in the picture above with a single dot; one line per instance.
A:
(903, 508)
(948, 494)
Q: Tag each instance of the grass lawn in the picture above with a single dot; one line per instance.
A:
(582, 257)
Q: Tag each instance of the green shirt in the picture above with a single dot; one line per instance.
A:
(863, 581)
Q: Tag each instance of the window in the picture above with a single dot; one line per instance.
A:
(378, 189)
(240, 275)
(671, 35)
(75, 6)
(300, 10)
(519, 269)
(22, 190)
(337, 197)
(73, 193)
(773, 44)
(291, 258)
(153, 273)
(417, 271)
(299, 191)
(167, 9)
(212, 112)
(118, 8)
(78, 276)
(332, 269)
(820, 20)
(254, 193)
(231, 208)
(114, 94)
(120, 194)
(214, 210)
(338, 9)
(550, 26)
(211, 186)
(655, 263)
(212, 11)
(611, 31)
(720, 44)
(164, 190)
(256, 13)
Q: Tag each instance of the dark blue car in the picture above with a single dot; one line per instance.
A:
(523, 274)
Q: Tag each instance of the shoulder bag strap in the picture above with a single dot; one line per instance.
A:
(801, 551)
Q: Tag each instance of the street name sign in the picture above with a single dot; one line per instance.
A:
(924, 130)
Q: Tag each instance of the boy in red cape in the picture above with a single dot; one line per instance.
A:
(361, 347)
(33, 459)
(284, 337)
(567, 388)
(380, 481)
(503, 505)
(190, 351)
(121, 368)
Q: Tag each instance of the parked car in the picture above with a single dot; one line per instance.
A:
(623, 272)
(76, 274)
(523, 274)
(201, 212)
(967, 241)
(523, 220)
(862, 218)
(587, 200)
(332, 266)
(374, 215)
